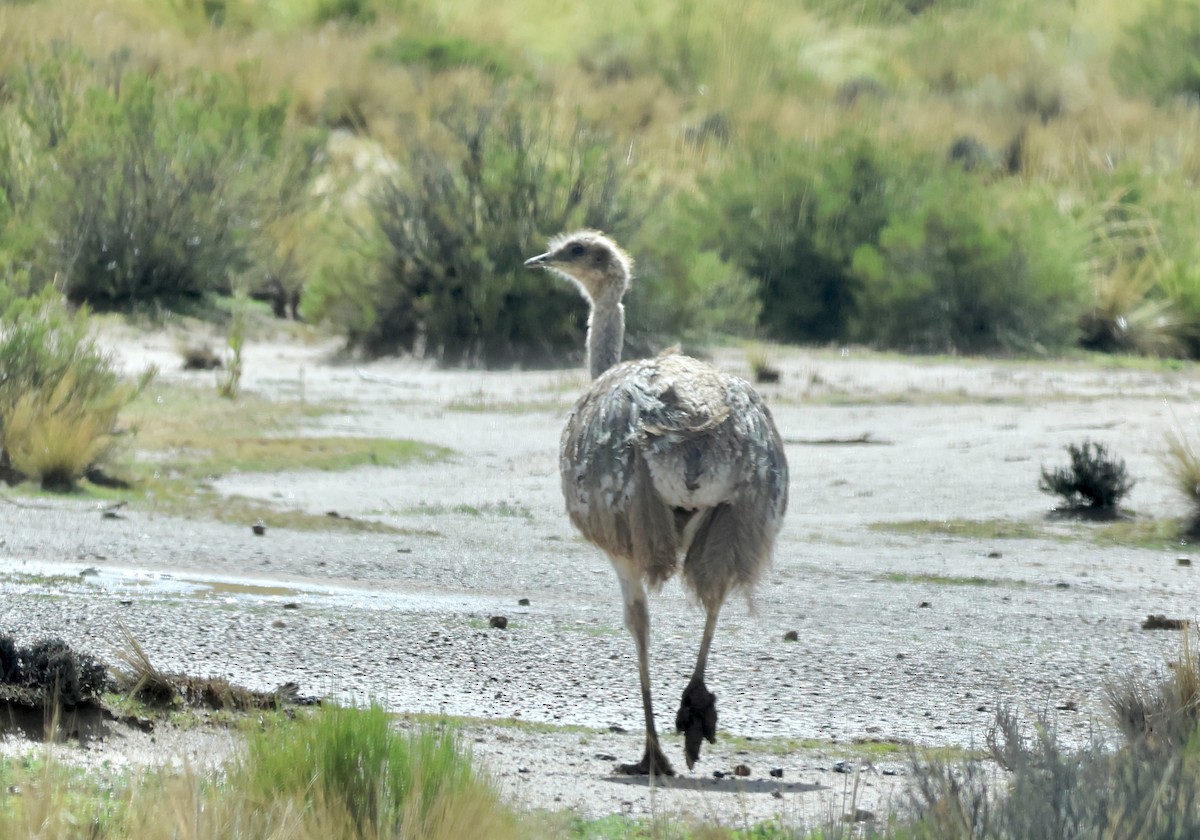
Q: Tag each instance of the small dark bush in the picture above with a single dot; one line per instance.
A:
(1093, 480)
(455, 233)
(54, 671)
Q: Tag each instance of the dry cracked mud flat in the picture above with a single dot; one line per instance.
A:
(904, 633)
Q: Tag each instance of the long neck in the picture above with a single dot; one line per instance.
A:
(606, 334)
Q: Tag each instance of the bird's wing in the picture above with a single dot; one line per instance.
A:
(606, 483)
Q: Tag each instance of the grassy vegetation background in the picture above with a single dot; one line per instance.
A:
(947, 176)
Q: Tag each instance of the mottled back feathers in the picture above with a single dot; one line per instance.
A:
(667, 456)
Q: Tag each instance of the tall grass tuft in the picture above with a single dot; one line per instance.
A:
(339, 774)
(1182, 463)
(60, 398)
(382, 782)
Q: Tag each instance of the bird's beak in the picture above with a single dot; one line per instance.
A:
(540, 261)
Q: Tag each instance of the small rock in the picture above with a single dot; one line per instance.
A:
(994, 555)
(741, 770)
(718, 774)
(892, 771)
(398, 551)
(777, 772)
(619, 730)
(1068, 706)
(1062, 585)
(859, 815)
(499, 622)
(791, 636)
(924, 605)
(522, 769)
(279, 624)
(777, 794)
(1183, 561)
(291, 605)
(605, 757)
(259, 529)
(524, 602)
(843, 767)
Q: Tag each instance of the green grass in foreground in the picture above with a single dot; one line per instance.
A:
(338, 773)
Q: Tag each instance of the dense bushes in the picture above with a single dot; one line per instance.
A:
(480, 191)
(134, 192)
(893, 248)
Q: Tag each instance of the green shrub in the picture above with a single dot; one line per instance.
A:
(681, 291)
(453, 236)
(951, 274)
(164, 196)
(353, 759)
(791, 217)
(884, 11)
(1156, 54)
(350, 11)
(438, 53)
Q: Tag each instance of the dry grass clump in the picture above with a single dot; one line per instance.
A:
(1182, 464)
(55, 435)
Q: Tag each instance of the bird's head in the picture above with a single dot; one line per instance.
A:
(591, 260)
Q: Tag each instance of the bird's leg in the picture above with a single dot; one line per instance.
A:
(637, 619)
(697, 716)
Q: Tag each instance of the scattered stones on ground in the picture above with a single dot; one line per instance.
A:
(259, 529)
(499, 622)
(741, 770)
(791, 636)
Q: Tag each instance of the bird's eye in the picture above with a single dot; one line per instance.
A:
(577, 250)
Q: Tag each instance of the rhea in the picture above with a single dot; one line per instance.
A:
(666, 464)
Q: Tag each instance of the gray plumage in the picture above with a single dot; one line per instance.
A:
(662, 460)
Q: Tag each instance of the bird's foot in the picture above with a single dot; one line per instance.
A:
(696, 719)
(653, 763)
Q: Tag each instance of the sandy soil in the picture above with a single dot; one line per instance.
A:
(894, 642)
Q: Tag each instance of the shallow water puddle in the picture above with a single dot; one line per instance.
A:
(63, 579)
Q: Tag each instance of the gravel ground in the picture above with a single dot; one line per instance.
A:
(894, 641)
